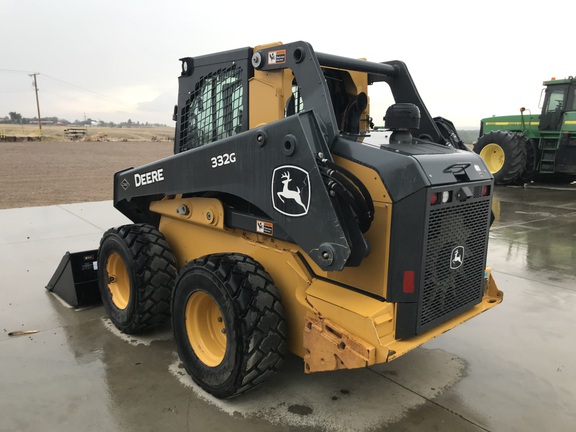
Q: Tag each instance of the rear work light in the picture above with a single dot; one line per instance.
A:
(440, 197)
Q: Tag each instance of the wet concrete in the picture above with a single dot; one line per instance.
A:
(511, 369)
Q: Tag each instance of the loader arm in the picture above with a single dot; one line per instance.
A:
(252, 166)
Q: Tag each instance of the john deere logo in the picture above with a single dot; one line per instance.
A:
(291, 190)
(457, 257)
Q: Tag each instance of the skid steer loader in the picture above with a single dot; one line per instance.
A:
(285, 221)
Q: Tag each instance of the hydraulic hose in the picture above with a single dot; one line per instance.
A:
(351, 190)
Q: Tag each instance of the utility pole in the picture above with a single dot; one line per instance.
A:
(37, 102)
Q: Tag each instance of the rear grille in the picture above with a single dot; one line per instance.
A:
(455, 233)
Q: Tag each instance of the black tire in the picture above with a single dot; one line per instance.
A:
(136, 274)
(531, 167)
(228, 323)
(504, 155)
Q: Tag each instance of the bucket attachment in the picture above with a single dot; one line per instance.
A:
(76, 280)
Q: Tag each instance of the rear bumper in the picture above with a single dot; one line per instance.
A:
(351, 330)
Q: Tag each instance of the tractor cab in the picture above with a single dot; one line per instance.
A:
(559, 97)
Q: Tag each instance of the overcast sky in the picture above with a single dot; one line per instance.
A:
(115, 60)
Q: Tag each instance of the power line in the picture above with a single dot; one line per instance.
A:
(15, 70)
(83, 89)
(138, 107)
(110, 98)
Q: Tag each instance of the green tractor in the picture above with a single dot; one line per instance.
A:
(520, 148)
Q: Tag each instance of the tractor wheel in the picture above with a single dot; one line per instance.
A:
(531, 168)
(228, 323)
(504, 155)
(136, 274)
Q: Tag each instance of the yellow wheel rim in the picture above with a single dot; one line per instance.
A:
(206, 328)
(493, 156)
(118, 280)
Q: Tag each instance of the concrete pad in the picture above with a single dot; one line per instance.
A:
(32, 243)
(513, 368)
(534, 233)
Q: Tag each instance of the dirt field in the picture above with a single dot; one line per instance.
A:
(93, 133)
(46, 173)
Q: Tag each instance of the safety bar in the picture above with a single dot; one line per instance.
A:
(330, 60)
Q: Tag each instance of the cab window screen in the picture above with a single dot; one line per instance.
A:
(214, 110)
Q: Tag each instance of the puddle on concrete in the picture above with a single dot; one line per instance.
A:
(135, 340)
(380, 395)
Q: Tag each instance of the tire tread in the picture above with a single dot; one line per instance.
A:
(515, 154)
(260, 314)
(155, 269)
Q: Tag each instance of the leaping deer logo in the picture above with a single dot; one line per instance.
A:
(291, 191)
(290, 194)
(456, 257)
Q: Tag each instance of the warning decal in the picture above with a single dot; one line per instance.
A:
(265, 227)
(277, 57)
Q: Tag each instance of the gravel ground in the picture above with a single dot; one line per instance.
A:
(48, 173)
